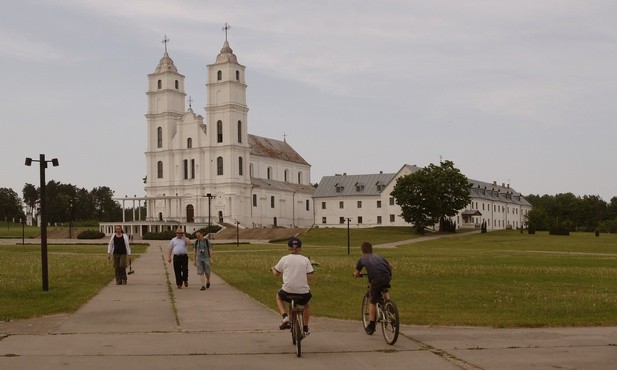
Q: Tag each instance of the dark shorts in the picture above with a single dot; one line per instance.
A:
(301, 299)
(378, 286)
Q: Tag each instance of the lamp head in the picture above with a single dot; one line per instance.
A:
(55, 162)
(28, 162)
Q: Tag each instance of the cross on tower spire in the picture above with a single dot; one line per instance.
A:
(226, 28)
(165, 41)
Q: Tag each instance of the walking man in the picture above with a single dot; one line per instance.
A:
(178, 247)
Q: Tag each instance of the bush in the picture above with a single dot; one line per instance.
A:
(608, 226)
(531, 230)
(165, 235)
(90, 234)
(559, 229)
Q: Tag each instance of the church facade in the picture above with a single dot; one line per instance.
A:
(206, 171)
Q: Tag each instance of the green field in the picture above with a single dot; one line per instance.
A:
(16, 231)
(76, 274)
(499, 279)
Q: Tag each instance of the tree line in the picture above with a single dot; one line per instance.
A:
(64, 202)
(571, 212)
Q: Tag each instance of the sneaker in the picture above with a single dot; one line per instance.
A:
(123, 282)
(370, 329)
(203, 288)
(285, 324)
(186, 283)
(208, 285)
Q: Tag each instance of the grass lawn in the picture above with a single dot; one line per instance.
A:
(15, 231)
(499, 279)
(76, 274)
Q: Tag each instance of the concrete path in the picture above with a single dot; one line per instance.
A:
(150, 324)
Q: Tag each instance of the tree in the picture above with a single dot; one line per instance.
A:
(10, 205)
(31, 197)
(431, 194)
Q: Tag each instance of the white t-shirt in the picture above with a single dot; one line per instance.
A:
(294, 268)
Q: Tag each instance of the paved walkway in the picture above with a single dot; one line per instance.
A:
(142, 326)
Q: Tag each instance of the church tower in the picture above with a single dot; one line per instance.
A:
(226, 117)
(165, 107)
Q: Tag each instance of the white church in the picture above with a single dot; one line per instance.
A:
(212, 171)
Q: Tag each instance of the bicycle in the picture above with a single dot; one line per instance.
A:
(386, 313)
(295, 320)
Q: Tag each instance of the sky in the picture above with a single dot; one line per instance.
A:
(520, 92)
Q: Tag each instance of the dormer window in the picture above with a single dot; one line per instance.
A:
(339, 188)
(359, 187)
(380, 186)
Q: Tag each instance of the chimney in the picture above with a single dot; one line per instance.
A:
(508, 185)
(495, 183)
(381, 172)
(503, 185)
(344, 173)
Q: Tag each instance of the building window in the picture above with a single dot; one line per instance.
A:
(339, 188)
(159, 137)
(378, 220)
(380, 186)
(341, 220)
(379, 204)
(186, 169)
(308, 205)
(359, 187)
(272, 202)
(159, 169)
(219, 131)
(159, 84)
(239, 131)
(219, 75)
(237, 75)
(391, 218)
(192, 168)
(341, 205)
(359, 219)
(189, 143)
(323, 205)
(269, 173)
(177, 84)
(391, 201)
(240, 166)
(285, 175)
(251, 170)
(254, 200)
(359, 204)
(323, 220)
(299, 177)
(219, 166)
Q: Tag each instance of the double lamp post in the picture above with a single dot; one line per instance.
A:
(43, 165)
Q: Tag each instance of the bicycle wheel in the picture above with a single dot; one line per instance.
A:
(298, 334)
(366, 317)
(390, 322)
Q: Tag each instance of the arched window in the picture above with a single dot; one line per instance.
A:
(299, 177)
(219, 75)
(251, 170)
(177, 84)
(159, 169)
(189, 143)
(269, 173)
(240, 166)
(219, 166)
(272, 202)
(238, 75)
(219, 131)
(286, 175)
(159, 137)
(159, 84)
(239, 131)
(254, 200)
(308, 205)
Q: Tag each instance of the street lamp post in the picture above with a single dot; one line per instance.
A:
(209, 213)
(348, 240)
(43, 165)
(237, 233)
(23, 231)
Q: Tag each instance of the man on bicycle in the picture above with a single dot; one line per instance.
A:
(379, 273)
(297, 270)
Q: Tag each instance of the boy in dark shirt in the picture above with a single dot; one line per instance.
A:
(379, 273)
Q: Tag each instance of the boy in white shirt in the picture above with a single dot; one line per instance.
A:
(296, 271)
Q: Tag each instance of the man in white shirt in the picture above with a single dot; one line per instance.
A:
(178, 247)
(296, 271)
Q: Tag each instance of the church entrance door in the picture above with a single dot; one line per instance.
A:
(190, 213)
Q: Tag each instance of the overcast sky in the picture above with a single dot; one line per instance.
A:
(519, 92)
